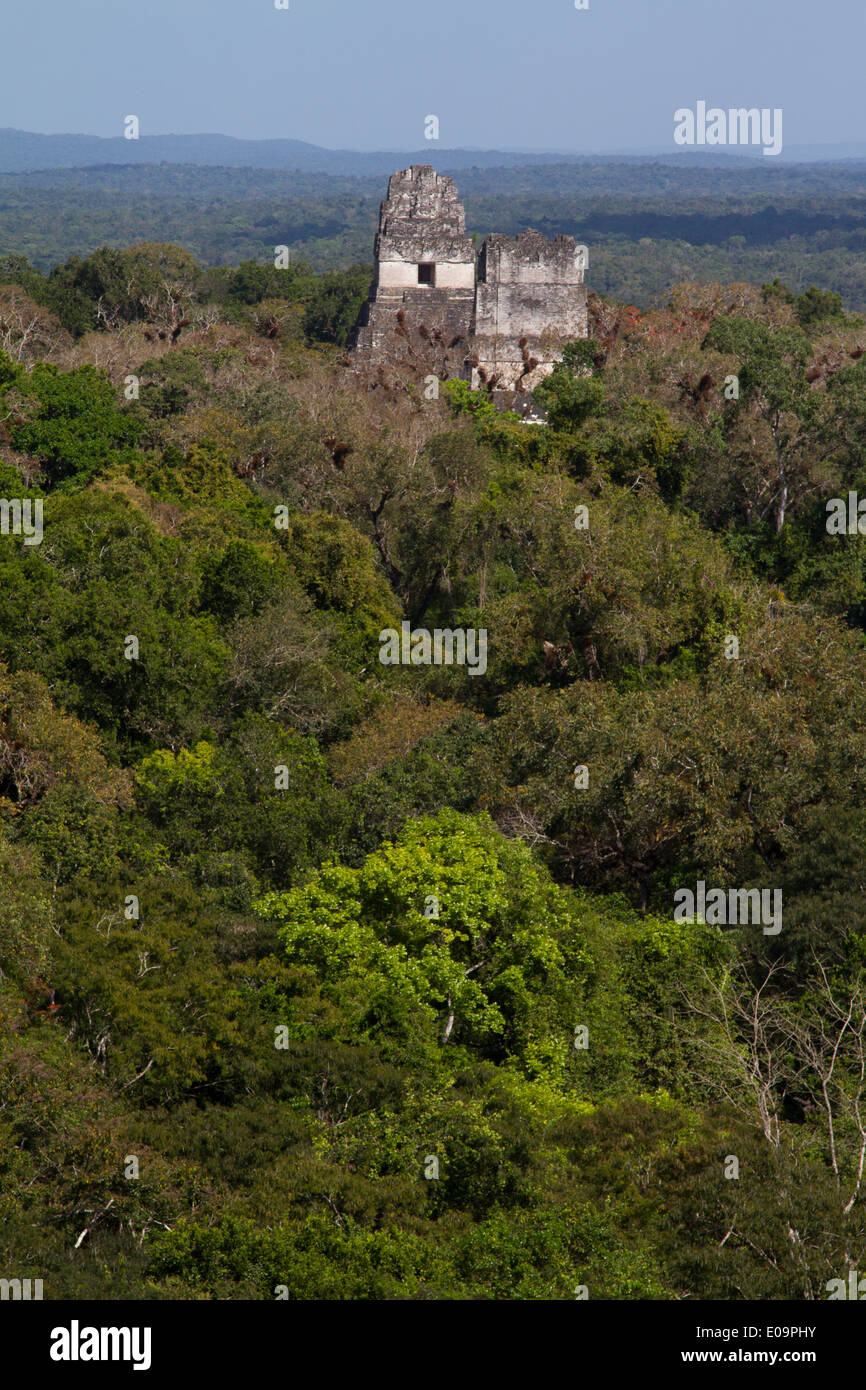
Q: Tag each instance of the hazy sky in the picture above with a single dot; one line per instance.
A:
(363, 74)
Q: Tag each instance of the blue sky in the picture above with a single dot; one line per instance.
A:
(363, 74)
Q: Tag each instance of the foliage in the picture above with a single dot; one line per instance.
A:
(376, 969)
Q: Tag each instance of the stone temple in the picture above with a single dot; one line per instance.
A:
(497, 318)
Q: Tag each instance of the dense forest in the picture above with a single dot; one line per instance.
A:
(324, 978)
(648, 223)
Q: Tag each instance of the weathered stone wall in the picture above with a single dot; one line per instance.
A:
(530, 301)
(425, 308)
(421, 223)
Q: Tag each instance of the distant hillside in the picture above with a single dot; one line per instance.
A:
(22, 150)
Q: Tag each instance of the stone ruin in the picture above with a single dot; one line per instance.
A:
(497, 319)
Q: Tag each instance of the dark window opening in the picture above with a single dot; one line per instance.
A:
(426, 275)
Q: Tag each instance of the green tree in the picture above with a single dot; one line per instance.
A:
(450, 929)
(773, 385)
(68, 421)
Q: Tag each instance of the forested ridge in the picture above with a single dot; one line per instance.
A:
(649, 223)
(336, 978)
